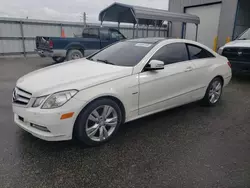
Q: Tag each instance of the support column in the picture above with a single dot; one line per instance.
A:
(155, 29)
(137, 27)
(147, 30)
(184, 28)
(170, 29)
(134, 31)
(22, 35)
(196, 34)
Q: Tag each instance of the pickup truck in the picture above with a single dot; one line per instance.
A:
(238, 53)
(90, 41)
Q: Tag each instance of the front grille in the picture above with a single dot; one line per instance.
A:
(21, 96)
(237, 54)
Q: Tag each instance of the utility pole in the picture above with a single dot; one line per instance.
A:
(84, 19)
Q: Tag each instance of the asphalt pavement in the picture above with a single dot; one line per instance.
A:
(189, 146)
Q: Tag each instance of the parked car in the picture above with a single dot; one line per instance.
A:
(90, 98)
(238, 52)
(91, 40)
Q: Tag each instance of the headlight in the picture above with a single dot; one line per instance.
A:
(58, 99)
(220, 50)
(39, 101)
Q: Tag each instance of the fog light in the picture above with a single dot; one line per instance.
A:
(39, 127)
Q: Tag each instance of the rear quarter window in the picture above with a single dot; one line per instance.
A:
(196, 52)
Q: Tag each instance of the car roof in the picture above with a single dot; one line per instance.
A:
(152, 40)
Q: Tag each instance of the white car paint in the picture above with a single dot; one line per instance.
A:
(141, 93)
(237, 43)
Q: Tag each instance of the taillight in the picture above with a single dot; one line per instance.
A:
(51, 44)
(229, 64)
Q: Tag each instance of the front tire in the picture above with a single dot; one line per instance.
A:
(74, 54)
(98, 122)
(58, 59)
(214, 92)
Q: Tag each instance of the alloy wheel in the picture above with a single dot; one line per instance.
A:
(101, 123)
(215, 92)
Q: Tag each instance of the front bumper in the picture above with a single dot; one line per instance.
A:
(51, 53)
(239, 66)
(57, 129)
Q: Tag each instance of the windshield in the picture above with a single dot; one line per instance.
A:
(126, 53)
(245, 35)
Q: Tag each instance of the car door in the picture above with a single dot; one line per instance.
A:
(92, 41)
(169, 87)
(104, 37)
(203, 62)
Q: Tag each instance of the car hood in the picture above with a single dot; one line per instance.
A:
(238, 43)
(78, 74)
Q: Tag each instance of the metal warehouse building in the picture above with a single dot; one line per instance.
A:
(223, 19)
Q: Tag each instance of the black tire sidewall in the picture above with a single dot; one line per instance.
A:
(60, 60)
(70, 52)
(206, 100)
(80, 124)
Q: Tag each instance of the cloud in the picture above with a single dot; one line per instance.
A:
(51, 12)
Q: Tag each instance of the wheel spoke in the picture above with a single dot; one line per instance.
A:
(212, 98)
(92, 130)
(217, 94)
(96, 114)
(111, 122)
(218, 87)
(107, 110)
(105, 132)
(92, 118)
(101, 136)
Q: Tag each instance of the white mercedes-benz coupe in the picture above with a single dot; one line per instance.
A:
(91, 97)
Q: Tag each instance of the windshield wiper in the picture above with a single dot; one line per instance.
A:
(243, 39)
(105, 61)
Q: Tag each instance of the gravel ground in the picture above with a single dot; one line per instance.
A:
(190, 146)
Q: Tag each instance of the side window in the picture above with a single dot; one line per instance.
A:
(172, 53)
(104, 34)
(94, 33)
(196, 52)
(85, 33)
(116, 35)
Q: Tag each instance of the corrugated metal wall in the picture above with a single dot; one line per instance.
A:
(18, 36)
(227, 17)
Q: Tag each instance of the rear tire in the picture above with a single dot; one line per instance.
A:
(214, 92)
(98, 122)
(74, 54)
(58, 59)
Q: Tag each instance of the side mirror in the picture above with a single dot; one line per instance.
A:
(155, 65)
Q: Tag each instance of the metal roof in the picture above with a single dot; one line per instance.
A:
(118, 12)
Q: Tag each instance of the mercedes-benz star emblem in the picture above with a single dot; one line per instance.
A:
(239, 53)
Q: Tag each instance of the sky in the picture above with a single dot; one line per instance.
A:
(66, 10)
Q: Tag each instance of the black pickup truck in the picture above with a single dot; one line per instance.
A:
(90, 41)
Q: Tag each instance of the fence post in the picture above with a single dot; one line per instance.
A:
(147, 30)
(155, 29)
(22, 35)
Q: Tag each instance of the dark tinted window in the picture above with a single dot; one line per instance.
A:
(104, 34)
(172, 53)
(196, 52)
(85, 32)
(123, 53)
(94, 33)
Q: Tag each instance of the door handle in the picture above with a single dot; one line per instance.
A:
(188, 69)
